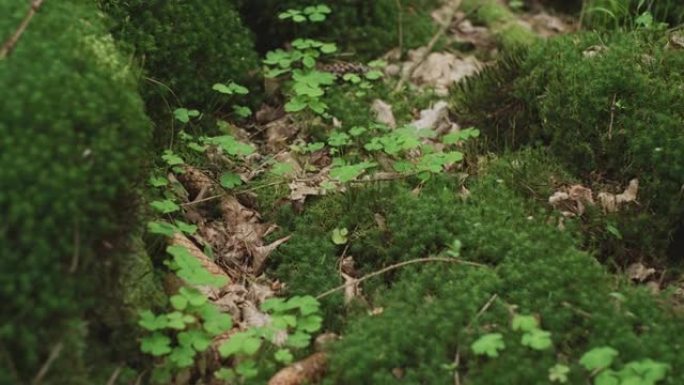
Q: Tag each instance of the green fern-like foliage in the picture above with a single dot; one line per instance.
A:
(623, 121)
(185, 47)
(367, 28)
(74, 136)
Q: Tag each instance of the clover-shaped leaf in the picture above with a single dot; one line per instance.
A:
(156, 344)
(489, 345)
(339, 236)
(165, 206)
(524, 323)
(537, 339)
(230, 180)
(598, 358)
(559, 373)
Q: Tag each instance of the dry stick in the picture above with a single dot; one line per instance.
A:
(114, 376)
(612, 117)
(54, 353)
(396, 266)
(400, 26)
(442, 30)
(10, 43)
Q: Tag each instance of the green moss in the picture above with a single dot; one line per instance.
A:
(429, 311)
(187, 46)
(74, 139)
(620, 120)
(503, 23)
(367, 28)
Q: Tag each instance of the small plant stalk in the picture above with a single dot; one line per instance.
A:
(10, 43)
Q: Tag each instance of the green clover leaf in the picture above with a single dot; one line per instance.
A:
(489, 345)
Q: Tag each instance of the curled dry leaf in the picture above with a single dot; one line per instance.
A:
(383, 113)
(278, 132)
(639, 272)
(442, 69)
(612, 202)
(306, 371)
(436, 118)
(571, 200)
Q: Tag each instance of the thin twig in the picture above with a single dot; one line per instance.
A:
(431, 45)
(77, 250)
(201, 200)
(396, 266)
(612, 117)
(114, 376)
(54, 353)
(10, 43)
(400, 27)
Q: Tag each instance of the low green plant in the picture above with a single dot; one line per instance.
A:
(290, 326)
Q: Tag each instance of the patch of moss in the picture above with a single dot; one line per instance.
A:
(429, 314)
(616, 114)
(185, 47)
(503, 23)
(75, 139)
(367, 28)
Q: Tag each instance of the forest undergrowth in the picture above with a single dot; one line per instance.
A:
(386, 192)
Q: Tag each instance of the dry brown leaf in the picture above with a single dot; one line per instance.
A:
(442, 69)
(383, 113)
(436, 118)
(278, 132)
(351, 290)
(260, 254)
(639, 272)
(611, 202)
(546, 25)
(571, 201)
(306, 371)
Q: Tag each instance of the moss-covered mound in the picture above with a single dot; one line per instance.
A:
(74, 136)
(187, 46)
(429, 313)
(367, 28)
(610, 107)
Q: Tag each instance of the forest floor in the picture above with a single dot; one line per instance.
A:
(357, 248)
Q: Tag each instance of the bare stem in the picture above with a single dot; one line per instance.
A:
(10, 43)
(396, 266)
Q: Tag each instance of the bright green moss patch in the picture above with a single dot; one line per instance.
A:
(619, 121)
(74, 140)
(185, 47)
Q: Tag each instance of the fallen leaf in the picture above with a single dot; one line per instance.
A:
(639, 272)
(383, 113)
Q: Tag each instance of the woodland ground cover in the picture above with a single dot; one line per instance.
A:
(409, 191)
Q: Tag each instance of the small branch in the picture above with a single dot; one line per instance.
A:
(114, 376)
(196, 201)
(77, 250)
(10, 43)
(431, 45)
(612, 117)
(400, 27)
(396, 266)
(54, 353)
